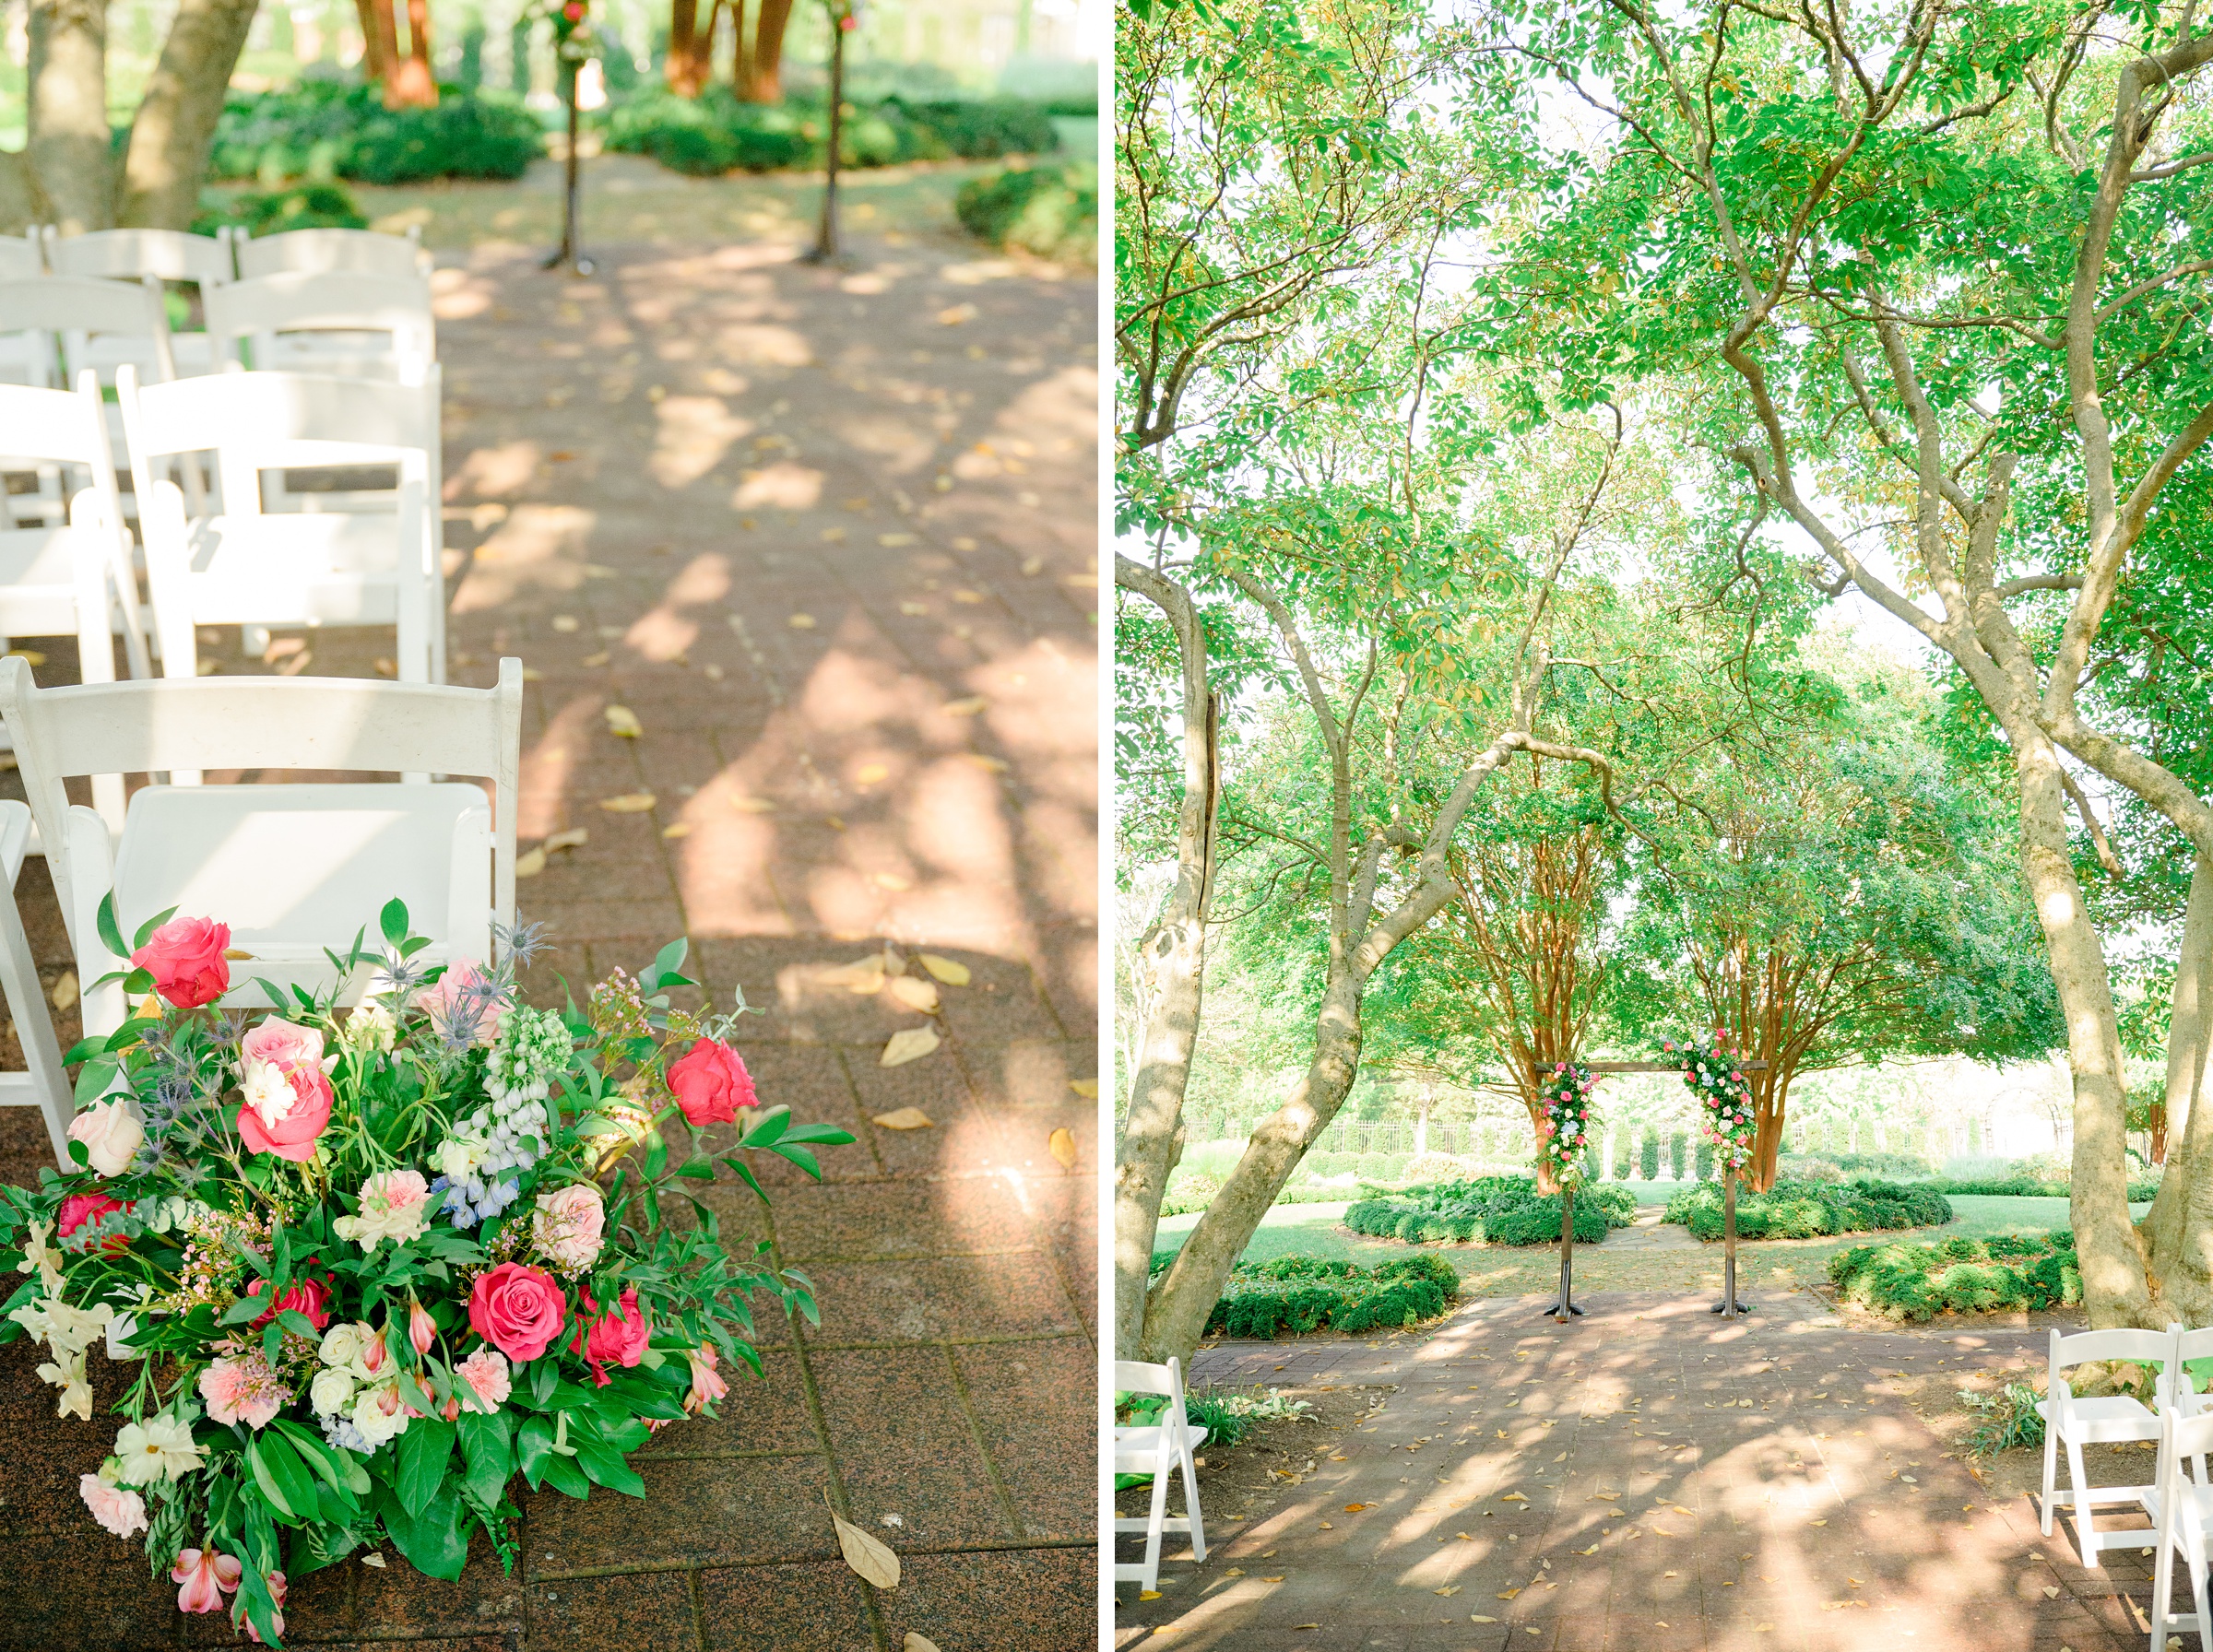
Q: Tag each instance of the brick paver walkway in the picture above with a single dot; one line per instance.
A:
(830, 535)
(1648, 1477)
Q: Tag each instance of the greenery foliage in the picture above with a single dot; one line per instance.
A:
(1961, 1275)
(1809, 1210)
(1303, 1294)
(1492, 1210)
(2008, 1419)
(1052, 211)
(271, 212)
(320, 129)
(716, 132)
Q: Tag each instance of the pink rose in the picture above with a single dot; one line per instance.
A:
(486, 1374)
(121, 1512)
(618, 1335)
(569, 1226)
(518, 1310)
(711, 1083)
(285, 1043)
(310, 1297)
(186, 958)
(112, 1135)
(707, 1385)
(207, 1576)
(293, 1132)
(80, 1209)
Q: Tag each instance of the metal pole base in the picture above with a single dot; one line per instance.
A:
(1553, 1312)
(1722, 1306)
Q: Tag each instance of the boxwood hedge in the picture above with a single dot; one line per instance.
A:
(1298, 1295)
(1495, 1209)
(1810, 1209)
(1961, 1275)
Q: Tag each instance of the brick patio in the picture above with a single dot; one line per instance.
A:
(830, 535)
(1682, 1484)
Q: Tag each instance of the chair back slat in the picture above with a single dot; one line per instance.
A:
(2085, 1347)
(252, 412)
(329, 251)
(131, 255)
(79, 304)
(340, 301)
(19, 255)
(62, 426)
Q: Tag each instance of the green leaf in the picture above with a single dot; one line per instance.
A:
(431, 1539)
(243, 1309)
(490, 1460)
(342, 1469)
(822, 1135)
(699, 1167)
(562, 1474)
(393, 921)
(605, 1467)
(799, 1156)
(110, 932)
(284, 1479)
(533, 1447)
(745, 1173)
(657, 1155)
(424, 1451)
(146, 930)
(769, 1127)
(670, 957)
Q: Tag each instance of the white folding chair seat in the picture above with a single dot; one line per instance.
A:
(2182, 1513)
(2072, 1423)
(242, 565)
(1160, 1449)
(292, 868)
(329, 250)
(345, 323)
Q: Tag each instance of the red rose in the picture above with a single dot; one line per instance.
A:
(293, 1136)
(517, 1309)
(186, 958)
(619, 1334)
(711, 1083)
(310, 1297)
(79, 1210)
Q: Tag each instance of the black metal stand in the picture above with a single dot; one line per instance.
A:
(1729, 1306)
(1564, 1304)
(825, 239)
(571, 252)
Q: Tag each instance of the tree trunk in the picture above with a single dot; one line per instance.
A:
(2178, 1230)
(175, 128)
(72, 168)
(380, 46)
(1152, 1131)
(687, 64)
(759, 69)
(2114, 1288)
(414, 86)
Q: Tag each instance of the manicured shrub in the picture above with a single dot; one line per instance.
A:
(987, 128)
(1303, 1293)
(303, 206)
(2022, 1186)
(1625, 1153)
(322, 128)
(712, 134)
(1808, 1210)
(1648, 1155)
(1052, 211)
(1433, 1167)
(1703, 1163)
(1678, 1142)
(1919, 1282)
(1499, 1209)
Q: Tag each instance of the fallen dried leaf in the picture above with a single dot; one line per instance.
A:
(1479, 1618)
(629, 803)
(1447, 1592)
(918, 995)
(1088, 1088)
(917, 1643)
(64, 990)
(752, 806)
(910, 1043)
(530, 862)
(1154, 1594)
(1062, 1145)
(914, 610)
(869, 774)
(590, 661)
(237, 954)
(869, 1559)
(374, 1560)
(1509, 1594)
(965, 708)
(948, 970)
(2051, 1592)
(802, 622)
(622, 721)
(1354, 1508)
(575, 837)
(902, 1118)
(982, 760)
(678, 829)
(567, 622)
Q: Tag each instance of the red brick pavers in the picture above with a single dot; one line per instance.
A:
(829, 535)
(1648, 1477)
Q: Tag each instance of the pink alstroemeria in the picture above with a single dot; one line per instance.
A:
(207, 1576)
(277, 1617)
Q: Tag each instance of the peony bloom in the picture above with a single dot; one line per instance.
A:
(619, 1335)
(568, 1228)
(707, 1385)
(395, 1205)
(304, 1296)
(186, 958)
(380, 1413)
(244, 1391)
(285, 1109)
(277, 1617)
(485, 1372)
(517, 1309)
(112, 1135)
(160, 1449)
(81, 1209)
(207, 1576)
(423, 1330)
(711, 1083)
(121, 1512)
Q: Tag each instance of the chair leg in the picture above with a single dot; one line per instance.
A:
(2162, 1583)
(1153, 1525)
(1190, 1506)
(2086, 1536)
(42, 1052)
(2197, 1592)
(2050, 1475)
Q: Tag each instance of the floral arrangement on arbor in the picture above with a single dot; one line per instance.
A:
(1712, 1072)
(1565, 1129)
(375, 1262)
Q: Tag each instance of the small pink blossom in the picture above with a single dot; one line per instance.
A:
(485, 1371)
(707, 1385)
(275, 1618)
(121, 1512)
(244, 1391)
(207, 1576)
(423, 1330)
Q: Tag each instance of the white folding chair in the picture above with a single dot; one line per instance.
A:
(344, 323)
(75, 578)
(242, 565)
(1158, 1449)
(141, 255)
(291, 868)
(328, 252)
(45, 1083)
(2074, 1423)
(2180, 1510)
(20, 256)
(75, 322)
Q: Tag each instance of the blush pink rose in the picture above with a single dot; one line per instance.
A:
(619, 1335)
(244, 1391)
(293, 1136)
(518, 1310)
(485, 1371)
(207, 1576)
(569, 1226)
(711, 1083)
(80, 1209)
(285, 1043)
(186, 958)
(122, 1511)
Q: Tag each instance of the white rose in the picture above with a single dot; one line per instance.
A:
(342, 1344)
(379, 1414)
(112, 1135)
(332, 1391)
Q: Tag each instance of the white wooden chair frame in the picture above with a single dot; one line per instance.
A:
(2181, 1508)
(2074, 1423)
(257, 421)
(71, 310)
(45, 1083)
(134, 255)
(306, 301)
(313, 723)
(1160, 1450)
(330, 251)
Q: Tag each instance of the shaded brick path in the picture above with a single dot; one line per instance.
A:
(830, 536)
(1648, 1477)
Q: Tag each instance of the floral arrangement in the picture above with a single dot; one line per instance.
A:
(1712, 1071)
(375, 1262)
(1565, 1129)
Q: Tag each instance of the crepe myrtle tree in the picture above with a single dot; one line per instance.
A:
(1946, 260)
